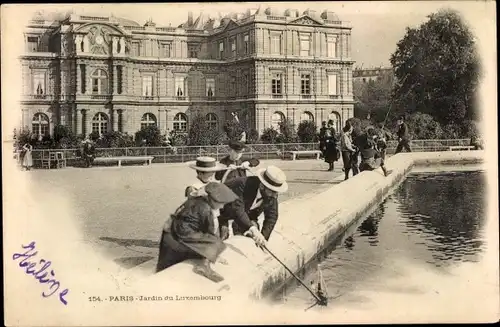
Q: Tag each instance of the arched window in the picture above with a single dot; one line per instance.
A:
(40, 124)
(148, 119)
(99, 82)
(276, 119)
(180, 122)
(336, 120)
(212, 121)
(306, 116)
(100, 123)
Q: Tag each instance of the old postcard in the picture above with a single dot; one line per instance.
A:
(249, 163)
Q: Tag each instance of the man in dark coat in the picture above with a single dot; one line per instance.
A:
(233, 161)
(88, 152)
(403, 136)
(189, 233)
(256, 195)
(322, 138)
(331, 151)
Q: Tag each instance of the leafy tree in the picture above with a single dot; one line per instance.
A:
(423, 127)
(373, 99)
(307, 131)
(233, 129)
(437, 69)
(269, 135)
(177, 138)
(253, 136)
(200, 133)
(61, 131)
(149, 136)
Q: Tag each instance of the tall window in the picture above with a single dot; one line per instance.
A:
(211, 121)
(332, 84)
(276, 119)
(136, 49)
(276, 84)
(100, 123)
(275, 44)
(234, 88)
(119, 79)
(233, 47)
(244, 84)
(305, 84)
(210, 87)
(32, 43)
(193, 50)
(147, 85)
(245, 39)
(306, 116)
(336, 120)
(179, 86)
(83, 78)
(39, 83)
(331, 47)
(221, 49)
(148, 119)
(40, 124)
(99, 82)
(165, 50)
(180, 122)
(305, 46)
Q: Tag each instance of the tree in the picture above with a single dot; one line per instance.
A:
(200, 133)
(437, 69)
(424, 127)
(233, 129)
(373, 99)
(149, 136)
(307, 131)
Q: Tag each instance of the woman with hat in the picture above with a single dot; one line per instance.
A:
(237, 168)
(330, 140)
(189, 232)
(205, 168)
(256, 194)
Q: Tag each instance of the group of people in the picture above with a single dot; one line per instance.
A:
(360, 152)
(221, 191)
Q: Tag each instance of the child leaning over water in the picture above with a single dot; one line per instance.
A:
(371, 159)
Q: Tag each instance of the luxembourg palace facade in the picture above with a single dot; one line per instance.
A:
(99, 74)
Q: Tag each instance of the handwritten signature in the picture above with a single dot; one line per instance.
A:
(42, 273)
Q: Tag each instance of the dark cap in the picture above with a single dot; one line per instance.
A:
(401, 118)
(220, 192)
(236, 145)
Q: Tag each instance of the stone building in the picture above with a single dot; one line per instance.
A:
(372, 74)
(98, 74)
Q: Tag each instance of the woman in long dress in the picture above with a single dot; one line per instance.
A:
(27, 157)
(331, 152)
(190, 232)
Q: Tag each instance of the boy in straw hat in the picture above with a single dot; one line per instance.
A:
(188, 233)
(205, 168)
(256, 194)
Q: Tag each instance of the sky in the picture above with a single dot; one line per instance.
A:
(377, 26)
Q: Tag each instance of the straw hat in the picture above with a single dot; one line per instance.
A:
(273, 178)
(206, 164)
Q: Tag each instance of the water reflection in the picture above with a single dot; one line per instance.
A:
(432, 220)
(447, 209)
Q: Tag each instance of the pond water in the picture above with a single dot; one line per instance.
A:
(410, 245)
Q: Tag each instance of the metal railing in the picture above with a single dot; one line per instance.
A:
(259, 151)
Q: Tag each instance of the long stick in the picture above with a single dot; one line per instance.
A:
(295, 276)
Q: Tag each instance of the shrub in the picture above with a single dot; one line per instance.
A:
(307, 132)
(423, 127)
(201, 134)
(149, 136)
(233, 129)
(287, 133)
(253, 136)
(269, 135)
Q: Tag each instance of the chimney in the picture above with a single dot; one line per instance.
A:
(190, 19)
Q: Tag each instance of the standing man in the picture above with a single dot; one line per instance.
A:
(234, 163)
(403, 136)
(256, 195)
(322, 138)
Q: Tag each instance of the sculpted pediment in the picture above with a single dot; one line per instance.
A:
(306, 20)
(98, 37)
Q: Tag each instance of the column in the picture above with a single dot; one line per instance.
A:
(115, 120)
(122, 45)
(115, 79)
(78, 121)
